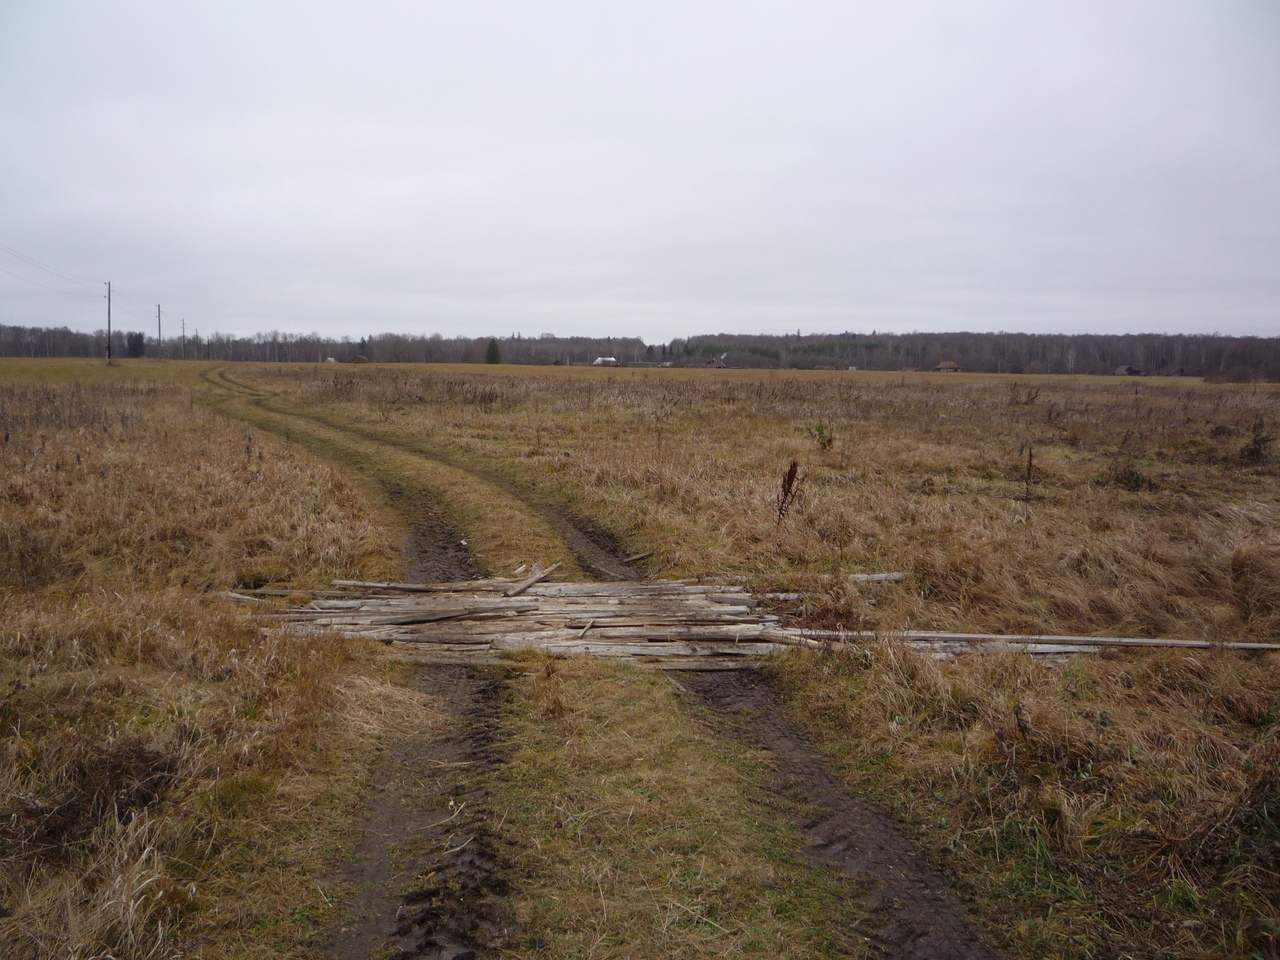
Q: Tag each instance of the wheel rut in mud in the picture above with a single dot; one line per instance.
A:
(596, 550)
(912, 911)
(428, 875)
(434, 550)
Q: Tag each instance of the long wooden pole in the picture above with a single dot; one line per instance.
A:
(938, 636)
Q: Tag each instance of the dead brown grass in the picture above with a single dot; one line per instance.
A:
(1122, 805)
(1117, 806)
(1150, 512)
(640, 833)
(135, 482)
(170, 774)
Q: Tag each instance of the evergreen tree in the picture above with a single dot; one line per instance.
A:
(493, 353)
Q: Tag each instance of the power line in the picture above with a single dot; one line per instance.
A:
(44, 266)
(117, 293)
(37, 283)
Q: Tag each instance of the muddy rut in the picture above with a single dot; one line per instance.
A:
(597, 550)
(427, 876)
(913, 912)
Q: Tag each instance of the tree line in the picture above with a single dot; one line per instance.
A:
(1210, 355)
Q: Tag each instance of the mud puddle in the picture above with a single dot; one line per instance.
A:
(427, 878)
(913, 912)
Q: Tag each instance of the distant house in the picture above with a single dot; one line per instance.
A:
(605, 362)
(947, 366)
(1128, 372)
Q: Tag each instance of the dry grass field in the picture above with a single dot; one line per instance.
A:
(154, 742)
(1120, 804)
(1115, 805)
(1059, 505)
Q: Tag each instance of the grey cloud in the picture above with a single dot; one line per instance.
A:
(651, 169)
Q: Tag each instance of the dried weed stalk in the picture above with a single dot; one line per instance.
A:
(789, 492)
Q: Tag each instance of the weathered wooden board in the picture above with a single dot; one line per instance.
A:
(656, 618)
(686, 649)
(913, 636)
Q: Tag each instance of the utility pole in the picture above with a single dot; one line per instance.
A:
(108, 323)
(184, 338)
(159, 338)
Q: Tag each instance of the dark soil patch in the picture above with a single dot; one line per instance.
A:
(428, 874)
(100, 783)
(435, 553)
(434, 550)
(913, 912)
(597, 551)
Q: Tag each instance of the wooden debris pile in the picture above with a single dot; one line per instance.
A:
(613, 619)
(654, 618)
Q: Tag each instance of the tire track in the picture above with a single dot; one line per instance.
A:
(913, 911)
(429, 877)
(596, 551)
(914, 914)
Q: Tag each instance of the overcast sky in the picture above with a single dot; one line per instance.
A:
(642, 169)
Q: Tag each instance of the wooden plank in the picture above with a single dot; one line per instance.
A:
(263, 592)
(657, 620)
(1034, 638)
(457, 631)
(639, 650)
(446, 615)
(542, 609)
(730, 634)
(481, 585)
(627, 589)
(526, 584)
(733, 599)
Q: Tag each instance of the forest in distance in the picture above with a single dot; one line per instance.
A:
(1214, 356)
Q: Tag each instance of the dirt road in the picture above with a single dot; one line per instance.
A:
(430, 877)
